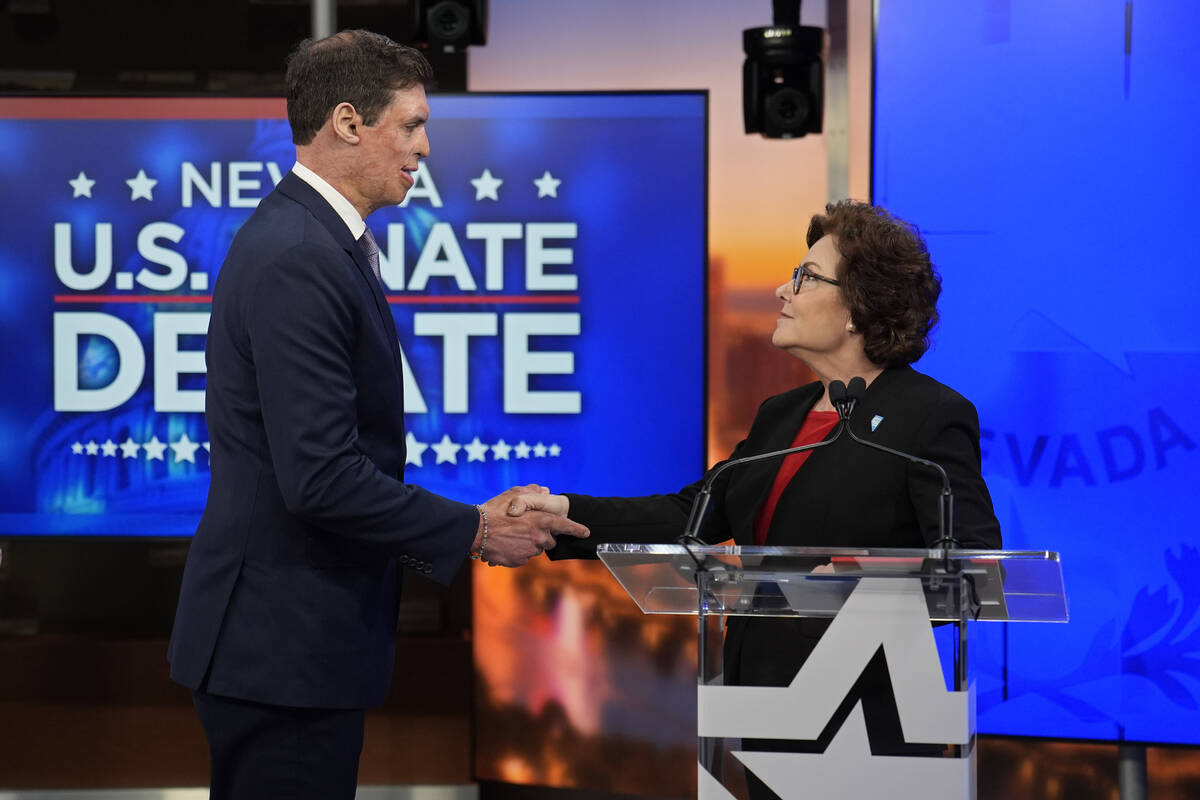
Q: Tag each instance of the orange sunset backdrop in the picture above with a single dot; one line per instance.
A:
(576, 687)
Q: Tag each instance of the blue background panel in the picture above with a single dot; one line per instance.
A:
(1051, 170)
(637, 256)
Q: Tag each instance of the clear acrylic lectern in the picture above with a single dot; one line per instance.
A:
(872, 598)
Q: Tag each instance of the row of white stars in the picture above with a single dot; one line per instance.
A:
(487, 185)
(447, 450)
(141, 186)
(184, 449)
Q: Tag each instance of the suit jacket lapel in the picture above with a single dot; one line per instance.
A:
(297, 189)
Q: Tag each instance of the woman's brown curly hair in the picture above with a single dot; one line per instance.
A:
(888, 282)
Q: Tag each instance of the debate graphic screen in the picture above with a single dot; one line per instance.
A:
(1048, 152)
(546, 273)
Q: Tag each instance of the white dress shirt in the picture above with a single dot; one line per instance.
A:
(344, 208)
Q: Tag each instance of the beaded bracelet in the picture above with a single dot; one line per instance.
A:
(478, 554)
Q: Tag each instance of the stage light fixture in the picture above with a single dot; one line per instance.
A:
(450, 25)
(783, 78)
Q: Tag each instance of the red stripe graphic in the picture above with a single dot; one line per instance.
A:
(133, 298)
(423, 299)
(482, 299)
(142, 108)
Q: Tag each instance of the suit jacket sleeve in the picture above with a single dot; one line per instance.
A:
(302, 324)
(652, 519)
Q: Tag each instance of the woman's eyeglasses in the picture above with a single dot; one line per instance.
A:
(802, 273)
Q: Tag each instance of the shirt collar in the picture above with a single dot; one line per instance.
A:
(344, 208)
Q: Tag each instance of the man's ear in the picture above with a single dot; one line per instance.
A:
(346, 122)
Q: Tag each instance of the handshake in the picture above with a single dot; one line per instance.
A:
(522, 523)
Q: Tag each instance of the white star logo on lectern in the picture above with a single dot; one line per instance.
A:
(486, 186)
(109, 448)
(547, 185)
(82, 185)
(141, 186)
(129, 448)
(447, 451)
(415, 449)
(500, 450)
(523, 449)
(77, 448)
(91, 448)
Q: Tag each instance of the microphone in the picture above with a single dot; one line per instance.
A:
(854, 393)
(842, 401)
(837, 393)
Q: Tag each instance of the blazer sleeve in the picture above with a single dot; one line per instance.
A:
(302, 325)
(652, 519)
(949, 436)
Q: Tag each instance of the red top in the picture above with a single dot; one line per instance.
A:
(816, 427)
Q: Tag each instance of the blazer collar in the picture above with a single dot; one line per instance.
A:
(294, 187)
(344, 208)
(297, 189)
(886, 378)
(805, 397)
(760, 476)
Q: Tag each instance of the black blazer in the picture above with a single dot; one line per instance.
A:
(845, 495)
(291, 586)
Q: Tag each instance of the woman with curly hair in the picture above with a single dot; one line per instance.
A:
(861, 304)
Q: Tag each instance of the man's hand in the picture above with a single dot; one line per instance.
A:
(514, 539)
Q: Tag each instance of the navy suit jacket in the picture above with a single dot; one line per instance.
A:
(845, 495)
(290, 591)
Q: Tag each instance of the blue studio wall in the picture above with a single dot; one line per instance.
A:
(1048, 153)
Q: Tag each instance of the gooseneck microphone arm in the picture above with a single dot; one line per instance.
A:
(699, 510)
(946, 539)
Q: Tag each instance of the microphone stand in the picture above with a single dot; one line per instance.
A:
(946, 539)
(699, 511)
(700, 504)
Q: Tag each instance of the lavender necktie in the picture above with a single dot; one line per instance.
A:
(372, 250)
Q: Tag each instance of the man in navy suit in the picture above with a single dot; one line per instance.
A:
(286, 623)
